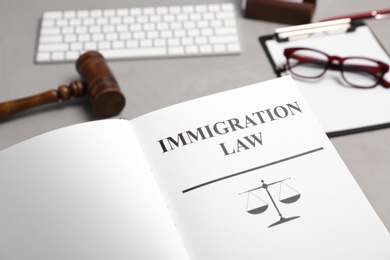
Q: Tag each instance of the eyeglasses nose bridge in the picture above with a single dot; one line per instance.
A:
(335, 61)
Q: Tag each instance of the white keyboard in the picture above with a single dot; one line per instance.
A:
(147, 32)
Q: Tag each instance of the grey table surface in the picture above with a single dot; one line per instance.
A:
(156, 83)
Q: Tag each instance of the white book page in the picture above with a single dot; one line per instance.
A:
(83, 192)
(206, 181)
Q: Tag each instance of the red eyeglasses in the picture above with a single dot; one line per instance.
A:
(359, 72)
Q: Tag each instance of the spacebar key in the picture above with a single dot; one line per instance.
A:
(133, 53)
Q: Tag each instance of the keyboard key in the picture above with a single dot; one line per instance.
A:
(162, 10)
(82, 13)
(206, 49)
(175, 9)
(104, 45)
(76, 46)
(214, 7)
(160, 42)
(124, 35)
(219, 48)
(67, 30)
(176, 50)
(96, 13)
(58, 56)
(72, 55)
(122, 12)
(52, 31)
(90, 45)
(43, 56)
(201, 8)
(188, 9)
(48, 23)
(173, 42)
(201, 40)
(223, 39)
(146, 43)
(225, 31)
(118, 45)
(187, 41)
(233, 47)
(227, 7)
(108, 12)
(132, 44)
(135, 11)
(192, 49)
(51, 39)
(75, 22)
(141, 52)
(70, 38)
(53, 47)
(69, 14)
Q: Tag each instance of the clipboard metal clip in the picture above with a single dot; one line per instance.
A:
(307, 30)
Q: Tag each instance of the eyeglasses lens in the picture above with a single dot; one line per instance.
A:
(360, 72)
(307, 63)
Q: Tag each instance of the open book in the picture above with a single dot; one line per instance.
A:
(243, 174)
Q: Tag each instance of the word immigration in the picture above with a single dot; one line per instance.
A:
(232, 125)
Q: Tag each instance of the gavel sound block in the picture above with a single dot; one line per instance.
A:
(97, 81)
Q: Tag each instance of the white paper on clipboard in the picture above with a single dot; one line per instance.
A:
(340, 109)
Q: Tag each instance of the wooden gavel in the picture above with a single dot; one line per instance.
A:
(97, 81)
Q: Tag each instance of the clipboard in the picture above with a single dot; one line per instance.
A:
(340, 109)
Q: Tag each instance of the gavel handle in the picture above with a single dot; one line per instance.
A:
(64, 93)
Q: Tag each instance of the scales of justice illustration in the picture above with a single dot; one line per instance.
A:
(256, 205)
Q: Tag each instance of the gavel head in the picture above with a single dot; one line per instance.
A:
(102, 88)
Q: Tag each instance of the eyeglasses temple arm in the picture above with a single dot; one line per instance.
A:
(282, 68)
(385, 83)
